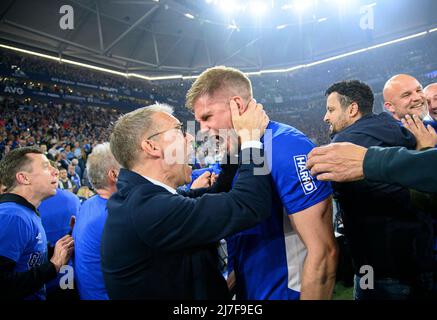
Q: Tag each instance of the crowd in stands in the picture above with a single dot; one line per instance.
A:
(73, 91)
(66, 133)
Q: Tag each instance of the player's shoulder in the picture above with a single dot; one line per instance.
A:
(288, 138)
(93, 201)
(14, 213)
(65, 195)
(14, 209)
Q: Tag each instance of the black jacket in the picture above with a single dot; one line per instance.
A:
(159, 245)
(383, 226)
(410, 168)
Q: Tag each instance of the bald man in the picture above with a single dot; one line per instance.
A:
(403, 95)
(431, 96)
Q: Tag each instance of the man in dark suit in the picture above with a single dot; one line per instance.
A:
(158, 244)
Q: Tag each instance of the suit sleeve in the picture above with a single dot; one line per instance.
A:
(182, 222)
(409, 168)
(223, 183)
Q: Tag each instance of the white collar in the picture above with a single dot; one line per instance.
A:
(159, 183)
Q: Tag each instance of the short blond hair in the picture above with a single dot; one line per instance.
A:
(130, 129)
(216, 79)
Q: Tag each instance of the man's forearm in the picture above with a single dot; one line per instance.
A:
(318, 277)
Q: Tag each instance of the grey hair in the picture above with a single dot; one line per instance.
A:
(99, 162)
(130, 129)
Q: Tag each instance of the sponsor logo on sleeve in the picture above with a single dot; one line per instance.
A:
(305, 178)
(35, 259)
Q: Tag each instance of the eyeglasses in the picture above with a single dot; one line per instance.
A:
(179, 127)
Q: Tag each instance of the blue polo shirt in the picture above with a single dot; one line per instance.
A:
(268, 258)
(87, 236)
(23, 240)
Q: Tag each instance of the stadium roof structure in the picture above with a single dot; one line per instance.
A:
(183, 37)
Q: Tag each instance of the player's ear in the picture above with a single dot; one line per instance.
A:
(242, 107)
(353, 110)
(151, 148)
(389, 107)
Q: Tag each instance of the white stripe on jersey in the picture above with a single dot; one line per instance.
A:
(295, 252)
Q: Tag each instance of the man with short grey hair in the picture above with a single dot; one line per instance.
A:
(158, 244)
(136, 124)
(102, 171)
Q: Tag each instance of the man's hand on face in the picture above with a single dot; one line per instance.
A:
(426, 137)
(251, 124)
(341, 162)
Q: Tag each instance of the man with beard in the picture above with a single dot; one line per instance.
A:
(385, 230)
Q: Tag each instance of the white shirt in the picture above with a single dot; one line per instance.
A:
(159, 183)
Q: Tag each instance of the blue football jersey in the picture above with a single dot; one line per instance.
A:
(433, 123)
(23, 240)
(87, 236)
(56, 212)
(268, 258)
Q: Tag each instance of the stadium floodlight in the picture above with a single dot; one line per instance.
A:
(189, 77)
(298, 5)
(230, 6)
(89, 66)
(301, 5)
(342, 3)
(258, 8)
(30, 52)
(140, 76)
